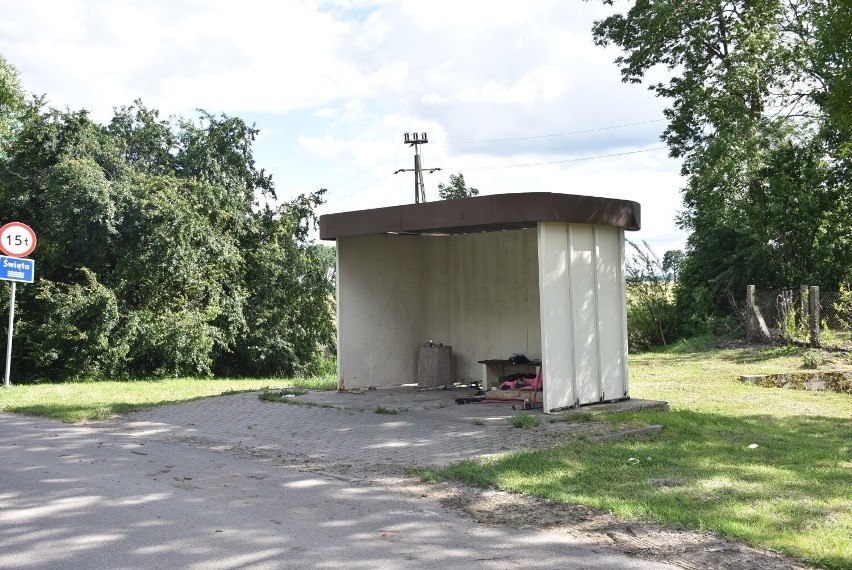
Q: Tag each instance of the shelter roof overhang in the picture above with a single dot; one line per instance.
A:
(499, 212)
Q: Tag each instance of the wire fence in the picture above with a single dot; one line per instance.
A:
(791, 315)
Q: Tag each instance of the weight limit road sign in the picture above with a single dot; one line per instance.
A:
(17, 239)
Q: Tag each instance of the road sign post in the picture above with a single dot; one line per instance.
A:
(16, 241)
(6, 382)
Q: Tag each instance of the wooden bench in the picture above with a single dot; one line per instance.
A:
(494, 368)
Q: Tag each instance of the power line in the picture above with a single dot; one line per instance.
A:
(350, 179)
(598, 129)
(559, 134)
(359, 190)
(580, 159)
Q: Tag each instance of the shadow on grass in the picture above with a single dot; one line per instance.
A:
(739, 355)
(781, 483)
(695, 349)
(750, 355)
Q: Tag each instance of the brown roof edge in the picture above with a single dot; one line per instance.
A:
(483, 213)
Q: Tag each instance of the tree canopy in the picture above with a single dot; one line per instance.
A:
(162, 250)
(456, 188)
(11, 98)
(752, 88)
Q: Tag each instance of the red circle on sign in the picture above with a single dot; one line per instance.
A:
(17, 239)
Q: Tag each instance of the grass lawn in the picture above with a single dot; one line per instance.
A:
(79, 401)
(791, 493)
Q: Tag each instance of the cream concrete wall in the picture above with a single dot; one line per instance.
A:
(583, 316)
(380, 309)
(482, 297)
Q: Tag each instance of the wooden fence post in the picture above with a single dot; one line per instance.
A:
(814, 316)
(750, 317)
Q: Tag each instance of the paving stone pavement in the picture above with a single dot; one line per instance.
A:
(437, 432)
(324, 434)
(433, 435)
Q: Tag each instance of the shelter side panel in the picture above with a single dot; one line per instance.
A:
(584, 312)
(556, 322)
(613, 328)
(380, 308)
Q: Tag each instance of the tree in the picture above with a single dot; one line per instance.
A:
(11, 99)
(289, 310)
(672, 261)
(761, 195)
(155, 255)
(456, 188)
(832, 62)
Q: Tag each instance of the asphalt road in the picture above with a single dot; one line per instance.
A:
(82, 497)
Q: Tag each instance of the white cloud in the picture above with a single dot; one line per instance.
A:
(541, 84)
(333, 85)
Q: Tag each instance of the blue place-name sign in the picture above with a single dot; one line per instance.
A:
(16, 269)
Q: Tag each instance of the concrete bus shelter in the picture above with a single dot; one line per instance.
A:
(536, 273)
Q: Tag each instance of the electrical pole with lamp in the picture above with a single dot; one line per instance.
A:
(415, 140)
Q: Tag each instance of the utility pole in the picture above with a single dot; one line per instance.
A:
(415, 140)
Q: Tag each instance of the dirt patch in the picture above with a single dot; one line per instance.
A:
(685, 549)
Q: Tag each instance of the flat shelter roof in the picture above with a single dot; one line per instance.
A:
(493, 213)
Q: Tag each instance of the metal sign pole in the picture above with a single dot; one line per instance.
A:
(9, 337)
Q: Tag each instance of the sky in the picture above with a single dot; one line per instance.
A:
(513, 95)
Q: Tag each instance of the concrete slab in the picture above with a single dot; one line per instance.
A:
(411, 398)
(407, 398)
(631, 405)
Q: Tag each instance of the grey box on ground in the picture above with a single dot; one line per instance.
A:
(434, 366)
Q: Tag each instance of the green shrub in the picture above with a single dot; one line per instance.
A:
(844, 306)
(173, 343)
(651, 316)
(69, 332)
(811, 360)
(524, 421)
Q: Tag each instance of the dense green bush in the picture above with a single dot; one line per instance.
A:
(68, 332)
